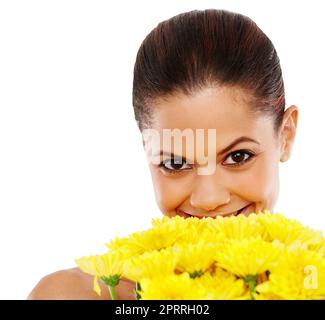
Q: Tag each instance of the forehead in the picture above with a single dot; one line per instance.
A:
(226, 109)
(223, 108)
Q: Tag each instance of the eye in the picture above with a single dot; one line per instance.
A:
(174, 165)
(239, 157)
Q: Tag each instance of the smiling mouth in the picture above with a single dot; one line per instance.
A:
(235, 213)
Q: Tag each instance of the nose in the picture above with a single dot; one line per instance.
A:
(209, 193)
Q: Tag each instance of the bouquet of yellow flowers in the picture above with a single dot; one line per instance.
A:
(259, 256)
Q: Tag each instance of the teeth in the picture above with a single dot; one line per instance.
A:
(239, 211)
(242, 209)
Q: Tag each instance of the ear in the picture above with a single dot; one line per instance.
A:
(288, 132)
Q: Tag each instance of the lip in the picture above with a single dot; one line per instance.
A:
(243, 210)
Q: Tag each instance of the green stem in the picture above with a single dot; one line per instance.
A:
(112, 292)
(111, 282)
(251, 290)
(137, 291)
(251, 281)
(196, 274)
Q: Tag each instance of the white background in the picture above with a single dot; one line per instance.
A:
(73, 172)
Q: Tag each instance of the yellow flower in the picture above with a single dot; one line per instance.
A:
(300, 274)
(266, 296)
(319, 247)
(260, 256)
(239, 227)
(161, 236)
(150, 264)
(173, 287)
(248, 257)
(222, 285)
(203, 233)
(289, 231)
(165, 220)
(193, 229)
(195, 258)
(106, 265)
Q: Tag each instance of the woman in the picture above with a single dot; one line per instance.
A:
(213, 75)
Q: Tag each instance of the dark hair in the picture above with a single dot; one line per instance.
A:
(204, 48)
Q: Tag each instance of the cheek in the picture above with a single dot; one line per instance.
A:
(170, 192)
(260, 182)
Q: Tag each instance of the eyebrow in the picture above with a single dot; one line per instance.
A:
(235, 142)
(223, 151)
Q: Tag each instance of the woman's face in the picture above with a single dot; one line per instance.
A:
(245, 173)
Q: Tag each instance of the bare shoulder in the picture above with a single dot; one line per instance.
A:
(73, 284)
